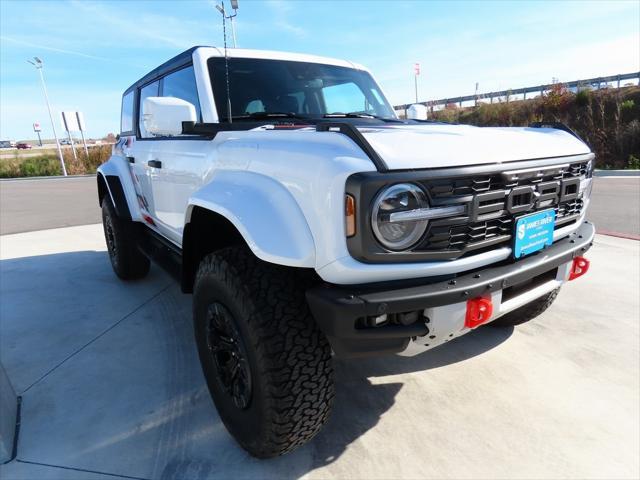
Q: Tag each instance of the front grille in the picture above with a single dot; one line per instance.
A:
(476, 231)
(460, 236)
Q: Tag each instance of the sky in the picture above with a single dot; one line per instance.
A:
(93, 50)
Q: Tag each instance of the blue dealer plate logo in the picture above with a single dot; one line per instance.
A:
(533, 232)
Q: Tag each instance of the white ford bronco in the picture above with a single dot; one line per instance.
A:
(308, 220)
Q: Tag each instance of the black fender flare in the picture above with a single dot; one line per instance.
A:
(113, 187)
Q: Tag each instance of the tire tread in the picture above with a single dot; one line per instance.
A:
(292, 352)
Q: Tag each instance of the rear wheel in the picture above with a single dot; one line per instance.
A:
(267, 365)
(127, 261)
(526, 312)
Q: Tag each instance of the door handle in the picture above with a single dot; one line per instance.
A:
(155, 163)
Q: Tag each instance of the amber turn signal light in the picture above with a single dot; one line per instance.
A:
(350, 215)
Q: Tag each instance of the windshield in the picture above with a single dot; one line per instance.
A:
(260, 87)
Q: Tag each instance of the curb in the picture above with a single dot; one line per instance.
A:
(628, 236)
(616, 173)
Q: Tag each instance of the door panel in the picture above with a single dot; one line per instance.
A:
(183, 168)
(138, 154)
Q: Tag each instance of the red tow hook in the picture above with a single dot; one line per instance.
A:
(579, 267)
(479, 310)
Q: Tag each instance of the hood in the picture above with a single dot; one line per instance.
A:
(406, 147)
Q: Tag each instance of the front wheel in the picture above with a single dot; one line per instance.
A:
(267, 365)
(527, 312)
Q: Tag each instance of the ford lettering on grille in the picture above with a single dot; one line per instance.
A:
(486, 206)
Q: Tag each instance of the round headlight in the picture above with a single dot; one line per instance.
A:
(398, 235)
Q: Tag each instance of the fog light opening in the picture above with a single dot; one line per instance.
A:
(380, 319)
(403, 319)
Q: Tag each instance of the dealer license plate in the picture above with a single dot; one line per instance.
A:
(533, 232)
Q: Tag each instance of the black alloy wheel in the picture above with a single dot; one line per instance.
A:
(229, 355)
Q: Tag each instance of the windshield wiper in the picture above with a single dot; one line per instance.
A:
(267, 115)
(361, 115)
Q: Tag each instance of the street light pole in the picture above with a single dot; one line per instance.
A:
(233, 30)
(38, 64)
(416, 72)
(234, 5)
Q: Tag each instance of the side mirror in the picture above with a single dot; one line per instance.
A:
(417, 112)
(163, 116)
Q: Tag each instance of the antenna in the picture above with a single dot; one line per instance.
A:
(226, 60)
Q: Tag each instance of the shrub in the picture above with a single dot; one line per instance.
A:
(9, 167)
(627, 105)
(583, 98)
(608, 120)
(40, 166)
(49, 164)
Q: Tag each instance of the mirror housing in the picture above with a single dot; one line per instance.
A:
(417, 112)
(163, 116)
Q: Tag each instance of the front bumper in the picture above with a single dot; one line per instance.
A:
(340, 310)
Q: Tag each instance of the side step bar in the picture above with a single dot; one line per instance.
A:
(160, 250)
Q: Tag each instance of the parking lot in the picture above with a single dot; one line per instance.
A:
(111, 385)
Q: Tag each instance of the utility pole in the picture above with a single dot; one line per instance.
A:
(38, 64)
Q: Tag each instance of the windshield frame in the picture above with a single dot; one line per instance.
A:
(372, 94)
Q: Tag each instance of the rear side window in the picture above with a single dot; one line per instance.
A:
(182, 84)
(126, 114)
(150, 90)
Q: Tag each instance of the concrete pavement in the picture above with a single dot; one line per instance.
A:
(111, 384)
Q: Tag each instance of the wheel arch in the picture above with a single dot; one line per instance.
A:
(114, 178)
(249, 208)
(206, 232)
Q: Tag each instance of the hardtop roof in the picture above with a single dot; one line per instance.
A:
(186, 57)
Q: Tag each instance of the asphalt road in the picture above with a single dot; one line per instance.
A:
(615, 206)
(28, 205)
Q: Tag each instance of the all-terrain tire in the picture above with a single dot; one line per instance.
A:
(127, 260)
(285, 356)
(526, 312)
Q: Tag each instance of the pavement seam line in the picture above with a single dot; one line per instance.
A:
(80, 469)
(95, 338)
